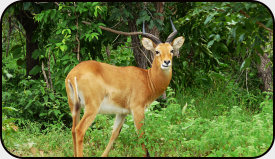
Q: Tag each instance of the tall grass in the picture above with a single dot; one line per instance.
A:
(221, 123)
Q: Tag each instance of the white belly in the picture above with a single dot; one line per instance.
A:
(109, 107)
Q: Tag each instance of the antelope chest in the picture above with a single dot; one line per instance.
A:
(107, 106)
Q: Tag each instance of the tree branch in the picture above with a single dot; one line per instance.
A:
(49, 69)
(76, 36)
(145, 56)
(117, 23)
(45, 76)
(115, 31)
(259, 23)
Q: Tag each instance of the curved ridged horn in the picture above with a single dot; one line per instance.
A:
(173, 34)
(150, 36)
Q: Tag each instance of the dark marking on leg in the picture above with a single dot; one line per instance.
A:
(77, 106)
(121, 126)
(120, 130)
(71, 85)
(79, 99)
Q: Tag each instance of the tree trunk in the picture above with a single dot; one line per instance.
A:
(8, 37)
(28, 23)
(159, 9)
(138, 50)
(265, 73)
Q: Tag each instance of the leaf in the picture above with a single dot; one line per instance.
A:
(28, 105)
(95, 13)
(42, 114)
(66, 57)
(7, 74)
(139, 21)
(158, 14)
(223, 47)
(45, 97)
(53, 13)
(20, 62)
(16, 51)
(245, 64)
(9, 108)
(241, 37)
(257, 58)
(95, 35)
(56, 112)
(151, 25)
(66, 31)
(58, 31)
(66, 69)
(51, 96)
(209, 17)
(210, 43)
(217, 75)
(65, 62)
(42, 90)
(221, 64)
(217, 37)
(26, 5)
(269, 23)
(259, 49)
(183, 109)
(36, 69)
(60, 7)
(36, 53)
(63, 47)
(233, 32)
(154, 103)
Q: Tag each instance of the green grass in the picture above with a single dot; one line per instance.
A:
(221, 123)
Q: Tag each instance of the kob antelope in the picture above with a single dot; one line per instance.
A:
(107, 89)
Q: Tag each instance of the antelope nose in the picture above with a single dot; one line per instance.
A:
(167, 62)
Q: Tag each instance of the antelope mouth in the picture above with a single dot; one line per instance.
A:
(165, 66)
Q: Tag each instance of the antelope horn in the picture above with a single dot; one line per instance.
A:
(173, 34)
(150, 36)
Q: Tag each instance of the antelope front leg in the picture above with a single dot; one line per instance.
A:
(138, 114)
(116, 130)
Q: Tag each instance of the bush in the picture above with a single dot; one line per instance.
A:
(36, 103)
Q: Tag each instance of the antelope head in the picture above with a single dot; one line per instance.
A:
(163, 51)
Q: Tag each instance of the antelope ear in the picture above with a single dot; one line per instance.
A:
(148, 44)
(177, 43)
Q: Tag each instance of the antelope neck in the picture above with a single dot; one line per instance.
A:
(158, 79)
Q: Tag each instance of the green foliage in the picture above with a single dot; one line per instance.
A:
(32, 100)
(8, 126)
(219, 38)
(177, 130)
(61, 43)
(42, 105)
(121, 56)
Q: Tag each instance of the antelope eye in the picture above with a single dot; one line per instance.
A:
(172, 51)
(157, 52)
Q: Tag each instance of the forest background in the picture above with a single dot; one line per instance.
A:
(219, 102)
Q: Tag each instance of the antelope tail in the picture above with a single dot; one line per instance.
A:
(74, 96)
